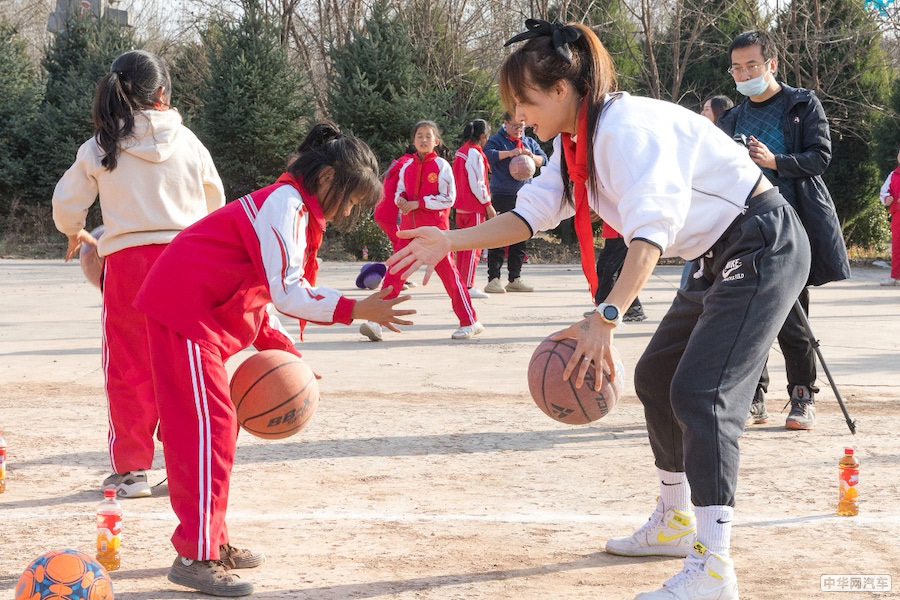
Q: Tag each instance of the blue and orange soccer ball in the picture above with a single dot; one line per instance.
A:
(64, 575)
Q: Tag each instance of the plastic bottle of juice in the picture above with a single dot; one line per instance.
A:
(848, 501)
(2, 464)
(109, 530)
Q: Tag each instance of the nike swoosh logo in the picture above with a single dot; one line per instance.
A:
(727, 272)
(721, 522)
(662, 539)
(664, 483)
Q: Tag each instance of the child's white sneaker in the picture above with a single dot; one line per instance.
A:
(371, 330)
(705, 576)
(474, 292)
(666, 533)
(468, 331)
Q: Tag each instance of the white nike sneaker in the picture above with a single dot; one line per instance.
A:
(371, 330)
(468, 331)
(705, 576)
(474, 292)
(666, 533)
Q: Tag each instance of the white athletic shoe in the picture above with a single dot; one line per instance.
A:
(494, 286)
(474, 292)
(705, 576)
(371, 330)
(128, 485)
(666, 533)
(468, 331)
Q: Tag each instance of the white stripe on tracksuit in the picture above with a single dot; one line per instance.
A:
(205, 450)
(479, 219)
(463, 291)
(104, 363)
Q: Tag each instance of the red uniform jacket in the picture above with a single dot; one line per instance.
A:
(214, 280)
(470, 172)
(429, 182)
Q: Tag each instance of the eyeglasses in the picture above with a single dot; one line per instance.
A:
(752, 70)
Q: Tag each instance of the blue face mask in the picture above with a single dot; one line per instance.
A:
(753, 87)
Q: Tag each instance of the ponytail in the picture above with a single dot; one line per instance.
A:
(557, 52)
(355, 172)
(132, 84)
(473, 130)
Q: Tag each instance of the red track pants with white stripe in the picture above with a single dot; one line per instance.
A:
(467, 260)
(199, 434)
(126, 360)
(453, 283)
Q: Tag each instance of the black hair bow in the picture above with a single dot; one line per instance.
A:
(562, 35)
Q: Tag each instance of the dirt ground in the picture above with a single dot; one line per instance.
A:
(429, 473)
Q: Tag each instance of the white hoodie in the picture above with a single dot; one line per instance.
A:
(664, 174)
(164, 181)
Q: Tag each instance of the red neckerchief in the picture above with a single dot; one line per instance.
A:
(315, 231)
(515, 140)
(576, 163)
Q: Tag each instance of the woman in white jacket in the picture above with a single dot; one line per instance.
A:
(154, 178)
(673, 185)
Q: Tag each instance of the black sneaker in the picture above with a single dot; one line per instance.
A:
(633, 315)
(208, 576)
(758, 413)
(803, 409)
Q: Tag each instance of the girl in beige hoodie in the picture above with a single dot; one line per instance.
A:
(154, 178)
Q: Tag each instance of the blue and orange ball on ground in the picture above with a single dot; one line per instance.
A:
(64, 575)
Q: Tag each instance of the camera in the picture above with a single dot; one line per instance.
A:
(741, 139)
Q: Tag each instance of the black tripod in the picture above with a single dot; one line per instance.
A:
(815, 344)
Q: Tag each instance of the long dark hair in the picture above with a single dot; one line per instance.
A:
(473, 130)
(718, 105)
(355, 172)
(131, 84)
(537, 65)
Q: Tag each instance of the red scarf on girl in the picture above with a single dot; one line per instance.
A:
(576, 163)
(315, 231)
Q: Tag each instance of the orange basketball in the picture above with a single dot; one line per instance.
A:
(274, 393)
(561, 400)
(91, 263)
(522, 167)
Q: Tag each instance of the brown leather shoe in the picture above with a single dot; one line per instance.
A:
(208, 576)
(239, 558)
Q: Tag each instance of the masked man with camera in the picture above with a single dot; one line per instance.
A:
(786, 134)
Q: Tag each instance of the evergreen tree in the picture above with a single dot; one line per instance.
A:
(77, 58)
(255, 107)
(380, 86)
(843, 60)
(19, 102)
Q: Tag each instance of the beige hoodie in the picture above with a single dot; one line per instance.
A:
(165, 181)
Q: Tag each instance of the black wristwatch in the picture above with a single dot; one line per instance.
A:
(610, 313)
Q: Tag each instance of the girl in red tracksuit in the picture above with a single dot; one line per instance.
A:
(473, 196)
(205, 300)
(890, 196)
(425, 193)
(386, 211)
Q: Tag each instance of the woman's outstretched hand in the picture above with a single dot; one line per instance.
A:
(428, 246)
(378, 310)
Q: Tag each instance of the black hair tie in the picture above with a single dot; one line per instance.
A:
(562, 35)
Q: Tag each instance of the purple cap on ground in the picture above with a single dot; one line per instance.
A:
(370, 276)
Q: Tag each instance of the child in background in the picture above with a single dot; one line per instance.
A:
(425, 193)
(473, 197)
(154, 178)
(890, 197)
(226, 268)
(386, 213)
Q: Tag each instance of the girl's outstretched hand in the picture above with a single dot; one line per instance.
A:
(75, 242)
(428, 246)
(378, 310)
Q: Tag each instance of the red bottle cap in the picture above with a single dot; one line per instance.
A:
(848, 450)
(111, 492)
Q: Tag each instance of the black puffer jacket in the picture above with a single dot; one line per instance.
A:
(809, 153)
